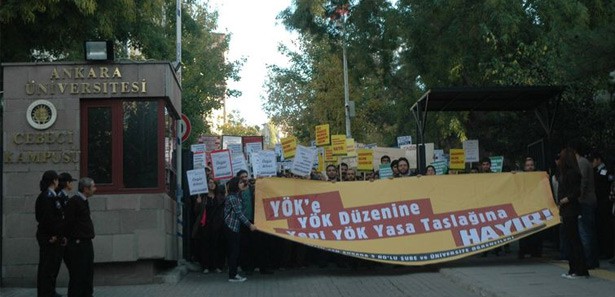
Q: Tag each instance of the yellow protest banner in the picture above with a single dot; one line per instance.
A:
(458, 159)
(323, 137)
(365, 160)
(351, 149)
(289, 146)
(329, 157)
(408, 221)
(338, 142)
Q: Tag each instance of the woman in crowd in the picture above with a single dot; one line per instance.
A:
(568, 193)
(233, 218)
(208, 230)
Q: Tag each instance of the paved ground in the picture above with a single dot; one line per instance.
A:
(492, 276)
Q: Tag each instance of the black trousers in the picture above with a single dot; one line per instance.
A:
(49, 261)
(576, 259)
(233, 243)
(80, 256)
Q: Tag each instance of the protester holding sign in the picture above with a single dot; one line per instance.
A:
(233, 219)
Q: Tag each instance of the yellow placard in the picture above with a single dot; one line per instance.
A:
(321, 160)
(458, 159)
(408, 221)
(365, 160)
(323, 137)
(329, 157)
(289, 146)
(351, 149)
(338, 142)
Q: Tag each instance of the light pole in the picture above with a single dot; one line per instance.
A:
(346, 90)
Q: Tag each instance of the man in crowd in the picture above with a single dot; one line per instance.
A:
(603, 215)
(587, 223)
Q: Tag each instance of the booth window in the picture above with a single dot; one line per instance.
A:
(122, 144)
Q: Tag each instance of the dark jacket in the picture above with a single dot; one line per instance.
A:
(78, 220)
(569, 185)
(49, 215)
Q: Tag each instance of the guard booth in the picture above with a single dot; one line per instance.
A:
(542, 100)
(113, 122)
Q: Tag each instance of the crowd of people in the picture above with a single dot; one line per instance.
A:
(583, 189)
(65, 232)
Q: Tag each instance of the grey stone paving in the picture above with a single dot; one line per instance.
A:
(383, 281)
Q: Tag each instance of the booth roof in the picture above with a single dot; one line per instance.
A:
(512, 98)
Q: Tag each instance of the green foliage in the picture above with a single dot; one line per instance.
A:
(236, 126)
(54, 30)
(398, 51)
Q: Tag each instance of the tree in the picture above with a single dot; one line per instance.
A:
(56, 30)
(236, 126)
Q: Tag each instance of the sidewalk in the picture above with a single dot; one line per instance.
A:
(510, 277)
(503, 276)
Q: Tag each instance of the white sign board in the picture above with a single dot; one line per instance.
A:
(264, 164)
(303, 161)
(197, 148)
(198, 160)
(239, 163)
(401, 140)
(197, 181)
(221, 162)
(470, 147)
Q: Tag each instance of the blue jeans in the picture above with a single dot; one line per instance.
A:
(587, 232)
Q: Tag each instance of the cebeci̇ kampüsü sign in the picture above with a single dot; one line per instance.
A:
(408, 221)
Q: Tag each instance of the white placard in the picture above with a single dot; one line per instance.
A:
(470, 147)
(402, 140)
(264, 164)
(239, 163)
(252, 147)
(303, 161)
(234, 148)
(197, 181)
(198, 160)
(197, 148)
(221, 162)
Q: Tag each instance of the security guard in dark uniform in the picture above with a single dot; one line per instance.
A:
(50, 218)
(80, 232)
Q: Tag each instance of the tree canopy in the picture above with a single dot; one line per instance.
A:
(397, 50)
(54, 30)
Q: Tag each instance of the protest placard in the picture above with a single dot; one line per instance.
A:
(401, 140)
(303, 161)
(365, 160)
(338, 143)
(222, 165)
(385, 171)
(470, 148)
(197, 148)
(289, 145)
(457, 159)
(238, 163)
(264, 164)
(323, 137)
(351, 149)
(198, 160)
(197, 181)
(497, 163)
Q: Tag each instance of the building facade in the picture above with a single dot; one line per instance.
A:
(112, 122)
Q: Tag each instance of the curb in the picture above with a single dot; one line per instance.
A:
(459, 278)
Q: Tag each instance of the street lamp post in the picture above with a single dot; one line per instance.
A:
(346, 90)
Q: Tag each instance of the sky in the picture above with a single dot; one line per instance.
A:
(255, 35)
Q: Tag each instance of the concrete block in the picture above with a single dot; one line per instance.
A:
(19, 251)
(136, 220)
(103, 248)
(151, 244)
(106, 222)
(98, 203)
(124, 248)
(14, 205)
(123, 202)
(152, 201)
(20, 225)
